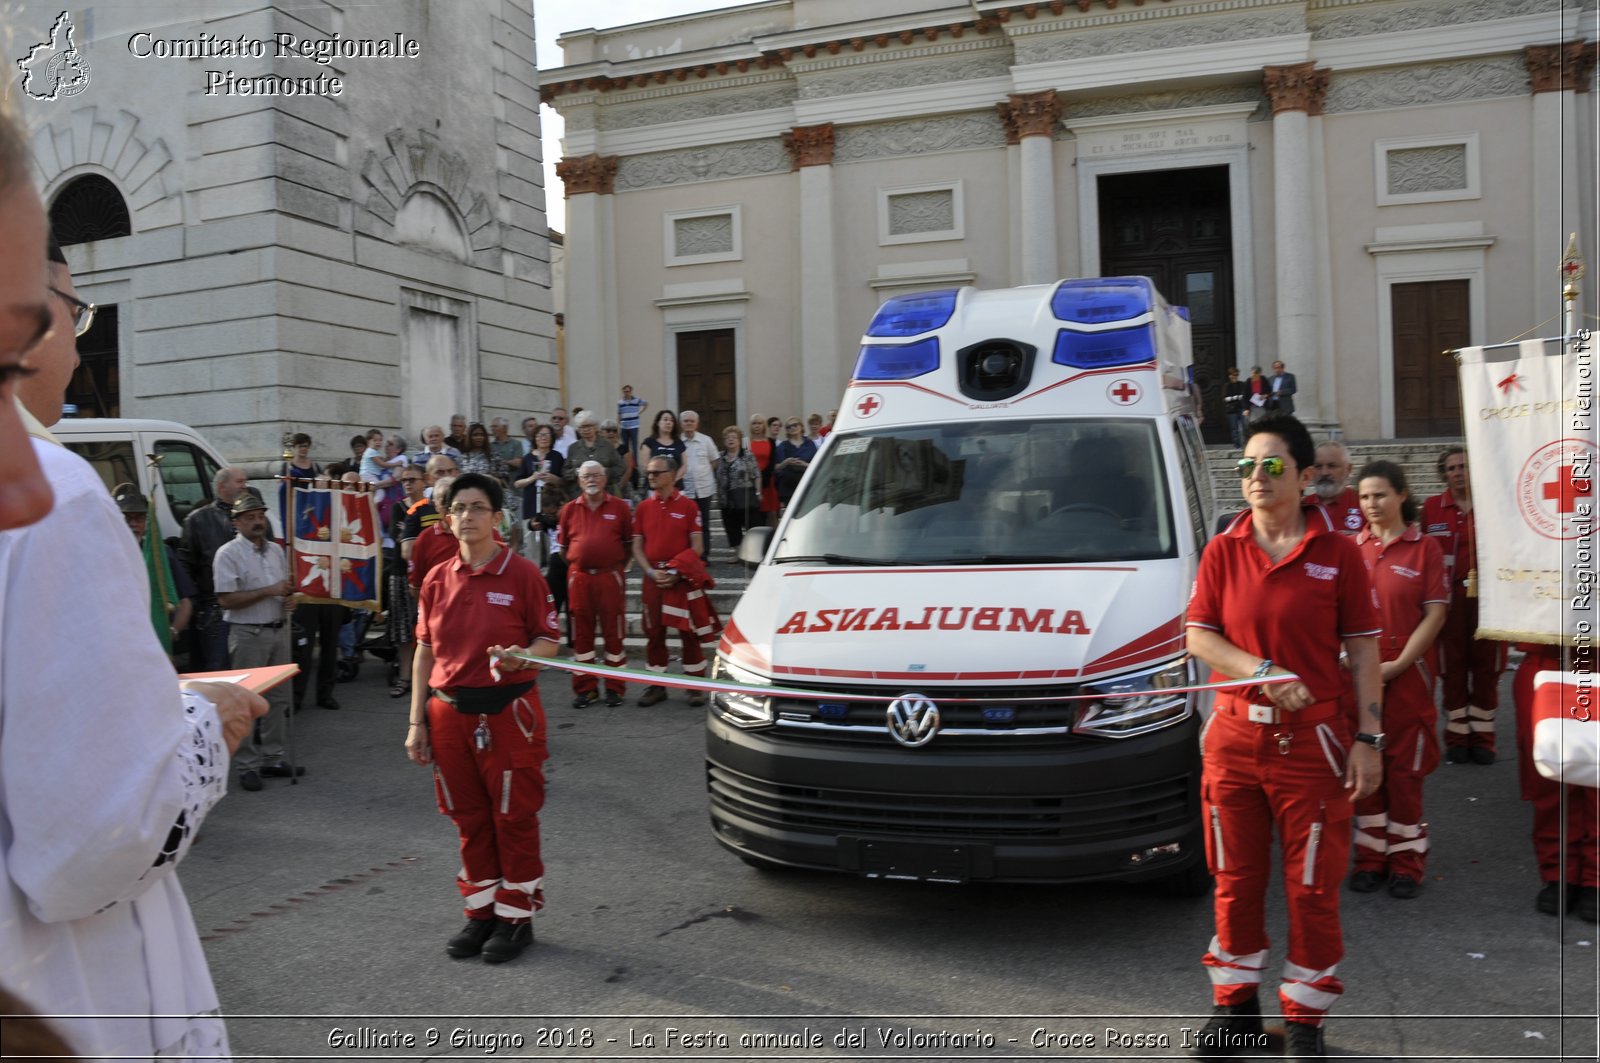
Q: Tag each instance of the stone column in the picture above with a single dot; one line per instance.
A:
(821, 364)
(1557, 72)
(1296, 93)
(1030, 122)
(593, 350)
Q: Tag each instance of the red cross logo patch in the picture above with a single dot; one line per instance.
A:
(1124, 392)
(1555, 489)
(869, 404)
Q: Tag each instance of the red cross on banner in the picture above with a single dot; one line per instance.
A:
(1566, 489)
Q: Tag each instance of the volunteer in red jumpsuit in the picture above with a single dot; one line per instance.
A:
(1471, 666)
(597, 530)
(665, 525)
(1407, 572)
(1282, 591)
(1583, 804)
(485, 736)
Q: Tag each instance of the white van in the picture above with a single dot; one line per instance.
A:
(1011, 509)
(120, 449)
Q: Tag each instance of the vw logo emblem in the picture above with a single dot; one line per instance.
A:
(913, 720)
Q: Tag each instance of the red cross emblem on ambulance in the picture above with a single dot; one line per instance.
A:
(870, 404)
(1124, 392)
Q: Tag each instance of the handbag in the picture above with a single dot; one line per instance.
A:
(1566, 728)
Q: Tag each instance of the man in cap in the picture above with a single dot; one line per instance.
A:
(205, 529)
(171, 591)
(256, 595)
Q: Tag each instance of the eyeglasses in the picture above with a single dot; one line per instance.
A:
(657, 472)
(1273, 467)
(410, 479)
(83, 313)
(476, 509)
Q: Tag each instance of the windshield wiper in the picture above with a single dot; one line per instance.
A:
(835, 559)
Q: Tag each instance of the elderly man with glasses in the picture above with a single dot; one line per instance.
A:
(668, 539)
(597, 535)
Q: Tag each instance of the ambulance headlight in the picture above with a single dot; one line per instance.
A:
(1136, 704)
(738, 707)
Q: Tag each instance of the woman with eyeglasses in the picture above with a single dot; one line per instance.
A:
(1407, 571)
(738, 486)
(664, 441)
(1282, 592)
(790, 458)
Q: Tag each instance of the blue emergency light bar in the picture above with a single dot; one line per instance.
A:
(1095, 302)
(897, 361)
(1096, 350)
(912, 315)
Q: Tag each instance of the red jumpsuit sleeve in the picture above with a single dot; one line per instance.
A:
(1205, 604)
(1358, 602)
(1435, 583)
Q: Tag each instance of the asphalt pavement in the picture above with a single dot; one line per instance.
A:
(325, 905)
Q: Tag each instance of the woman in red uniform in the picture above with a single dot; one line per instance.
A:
(485, 736)
(1281, 591)
(1407, 570)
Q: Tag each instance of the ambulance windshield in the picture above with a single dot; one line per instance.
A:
(1079, 490)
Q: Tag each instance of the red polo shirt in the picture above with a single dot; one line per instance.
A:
(666, 526)
(1344, 511)
(1407, 574)
(597, 538)
(461, 613)
(1296, 613)
(1456, 533)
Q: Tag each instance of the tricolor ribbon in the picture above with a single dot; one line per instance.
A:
(689, 682)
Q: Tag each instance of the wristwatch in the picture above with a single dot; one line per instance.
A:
(1374, 740)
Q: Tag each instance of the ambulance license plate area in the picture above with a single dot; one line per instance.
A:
(920, 861)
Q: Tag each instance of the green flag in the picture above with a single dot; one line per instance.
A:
(163, 591)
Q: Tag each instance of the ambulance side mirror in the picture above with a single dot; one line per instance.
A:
(753, 547)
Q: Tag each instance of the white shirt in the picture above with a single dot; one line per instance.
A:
(100, 755)
(699, 453)
(239, 566)
(569, 436)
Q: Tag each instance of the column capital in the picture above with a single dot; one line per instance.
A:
(1029, 114)
(1559, 67)
(809, 145)
(1299, 87)
(588, 173)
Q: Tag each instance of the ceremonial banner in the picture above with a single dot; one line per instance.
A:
(1530, 428)
(336, 546)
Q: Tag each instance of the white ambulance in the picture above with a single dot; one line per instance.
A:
(1010, 511)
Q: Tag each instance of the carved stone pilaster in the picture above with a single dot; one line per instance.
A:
(1030, 114)
(1300, 87)
(1559, 67)
(588, 173)
(809, 145)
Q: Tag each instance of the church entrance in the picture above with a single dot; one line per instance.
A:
(1174, 227)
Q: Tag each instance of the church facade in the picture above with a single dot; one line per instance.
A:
(1350, 186)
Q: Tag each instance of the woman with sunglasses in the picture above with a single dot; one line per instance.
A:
(1407, 570)
(1282, 592)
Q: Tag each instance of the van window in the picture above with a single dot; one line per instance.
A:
(112, 459)
(1077, 490)
(187, 474)
(1197, 477)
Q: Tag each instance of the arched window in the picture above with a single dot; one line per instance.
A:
(426, 221)
(89, 208)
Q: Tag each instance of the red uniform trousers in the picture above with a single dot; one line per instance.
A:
(493, 796)
(1471, 668)
(1390, 833)
(694, 658)
(1258, 777)
(597, 594)
(1583, 802)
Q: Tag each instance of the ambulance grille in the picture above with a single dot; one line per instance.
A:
(1076, 818)
(985, 725)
